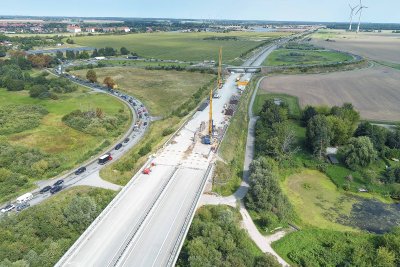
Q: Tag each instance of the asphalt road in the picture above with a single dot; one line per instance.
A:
(128, 233)
(92, 166)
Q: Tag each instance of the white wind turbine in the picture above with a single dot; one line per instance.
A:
(359, 17)
(351, 15)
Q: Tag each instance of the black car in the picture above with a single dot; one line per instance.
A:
(80, 170)
(55, 189)
(23, 206)
(126, 140)
(59, 182)
(117, 147)
(145, 123)
(45, 189)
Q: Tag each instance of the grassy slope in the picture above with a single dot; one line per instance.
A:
(161, 91)
(53, 136)
(228, 176)
(282, 57)
(180, 46)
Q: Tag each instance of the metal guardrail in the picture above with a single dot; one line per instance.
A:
(132, 234)
(104, 213)
(185, 228)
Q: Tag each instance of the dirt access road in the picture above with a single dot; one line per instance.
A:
(375, 92)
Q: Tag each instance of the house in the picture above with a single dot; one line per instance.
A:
(74, 29)
(123, 29)
(91, 30)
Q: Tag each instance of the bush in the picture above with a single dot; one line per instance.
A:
(19, 118)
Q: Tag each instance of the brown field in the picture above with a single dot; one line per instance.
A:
(383, 46)
(375, 92)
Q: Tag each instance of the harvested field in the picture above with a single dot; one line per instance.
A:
(377, 46)
(375, 92)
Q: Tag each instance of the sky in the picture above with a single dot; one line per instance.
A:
(386, 11)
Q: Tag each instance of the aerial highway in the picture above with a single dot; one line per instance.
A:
(146, 224)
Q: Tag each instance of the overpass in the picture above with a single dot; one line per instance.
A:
(241, 69)
(146, 223)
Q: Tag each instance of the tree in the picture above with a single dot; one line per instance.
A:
(308, 113)
(265, 195)
(393, 139)
(109, 82)
(59, 55)
(385, 258)
(318, 135)
(346, 112)
(272, 113)
(267, 260)
(340, 129)
(359, 152)
(124, 51)
(70, 55)
(377, 134)
(95, 53)
(80, 212)
(91, 76)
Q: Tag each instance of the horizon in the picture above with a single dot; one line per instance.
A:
(254, 10)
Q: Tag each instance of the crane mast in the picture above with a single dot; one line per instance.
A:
(220, 68)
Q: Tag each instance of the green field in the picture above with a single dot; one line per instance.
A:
(182, 46)
(316, 200)
(52, 137)
(161, 91)
(291, 101)
(292, 57)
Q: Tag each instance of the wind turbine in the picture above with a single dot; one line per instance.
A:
(351, 15)
(359, 17)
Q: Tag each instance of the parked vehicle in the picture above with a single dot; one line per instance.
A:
(23, 206)
(145, 123)
(56, 189)
(80, 170)
(45, 189)
(117, 147)
(59, 182)
(104, 159)
(126, 140)
(24, 198)
(7, 208)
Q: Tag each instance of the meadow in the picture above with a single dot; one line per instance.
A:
(182, 46)
(161, 91)
(52, 138)
(291, 57)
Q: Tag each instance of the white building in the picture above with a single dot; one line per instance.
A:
(74, 29)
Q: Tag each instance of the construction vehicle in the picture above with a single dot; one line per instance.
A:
(147, 170)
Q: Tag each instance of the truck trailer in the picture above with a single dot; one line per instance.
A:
(24, 198)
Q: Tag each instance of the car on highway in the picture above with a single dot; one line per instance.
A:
(45, 189)
(59, 182)
(23, 206)
(7, 208)
(117, 147)
(55, 189)
(80, 170)
(126, 140)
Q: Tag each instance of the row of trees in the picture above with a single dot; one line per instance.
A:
(40, 235)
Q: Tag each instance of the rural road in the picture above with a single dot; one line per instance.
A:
(263, 242)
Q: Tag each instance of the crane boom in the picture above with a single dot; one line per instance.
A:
(220, 68)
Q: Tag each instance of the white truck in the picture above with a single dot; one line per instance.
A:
(24, 198)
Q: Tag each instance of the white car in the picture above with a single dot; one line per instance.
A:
(7, 208)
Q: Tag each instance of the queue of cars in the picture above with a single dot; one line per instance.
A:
(23, 201)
